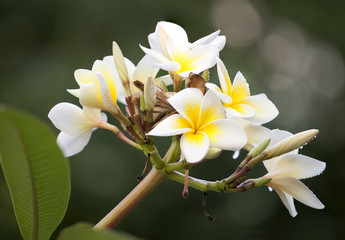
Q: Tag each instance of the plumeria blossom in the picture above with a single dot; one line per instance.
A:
(202, 122)
(285, 172)
(76, 126)
(174, 53)
(237, 100)
(100, 87)
(145, 68)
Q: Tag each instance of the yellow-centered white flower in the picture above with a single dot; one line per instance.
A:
(146, 68)
(76, 126)
(285, 171)
(100, 87)
(237, 100)
(202, 122)
(174, 53)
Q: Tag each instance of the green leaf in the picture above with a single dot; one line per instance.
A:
(86, 232)
(36, 172)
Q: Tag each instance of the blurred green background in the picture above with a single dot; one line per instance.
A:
(291, 50)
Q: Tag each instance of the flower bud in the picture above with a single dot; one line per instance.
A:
(150, 94)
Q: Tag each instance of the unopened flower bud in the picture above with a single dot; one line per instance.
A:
(150, 94)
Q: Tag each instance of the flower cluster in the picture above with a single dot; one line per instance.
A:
(203, 118)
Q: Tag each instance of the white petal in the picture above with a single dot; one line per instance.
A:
(255, 133)
(240, 88)
(225, 134)
(194, 146)
(155, 55)
(203, 52)
(297, 166)
(171, 126)
(166, 79)
(83, 76)
(187, 102)
(69, 118)
(223, 97)
(172, 30)
(145, 68)
(71, 145)
(94, 115)
(177, 49)
(90, 96)
(224, 78)
(152, 42)
(195, 67)
(287, 201)
(211, 109)
(241, 111)
(170, 66)
(265, 110)
(205, 40)
(219, 42)
(74, 92)
(298, 190)
(107, 98)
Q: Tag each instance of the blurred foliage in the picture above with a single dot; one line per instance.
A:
(291, 50)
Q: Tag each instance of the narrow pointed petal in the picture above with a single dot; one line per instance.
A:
(108, 100)
(224, 78)
(83, 76)
(152, 42)
(69, 118)
(240, 88)
(74, 92)
(171, 126)
(187, 103)
(155, 55)
(265, 110)
(219, 42)
(297, 190)
(287, 201)
(90, 96)
(241, 110)
(205, 40)
(225, 134)
(298, 166)
(226, 99)
(71, 145)
(211, 109)
(194, 146)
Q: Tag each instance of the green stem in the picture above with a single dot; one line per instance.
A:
(150, 182)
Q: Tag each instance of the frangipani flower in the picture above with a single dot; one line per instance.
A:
(174, 53)
(76, 126)
(99, 88)
(285, 171)
(201, 121)
(237, 100)
(145, 68)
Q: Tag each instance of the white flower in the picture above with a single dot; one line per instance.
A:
(201, 121)
(76, 126)
(99, 88)
(237, 100)
(144, 69)
(174, 53)
(285, 171)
